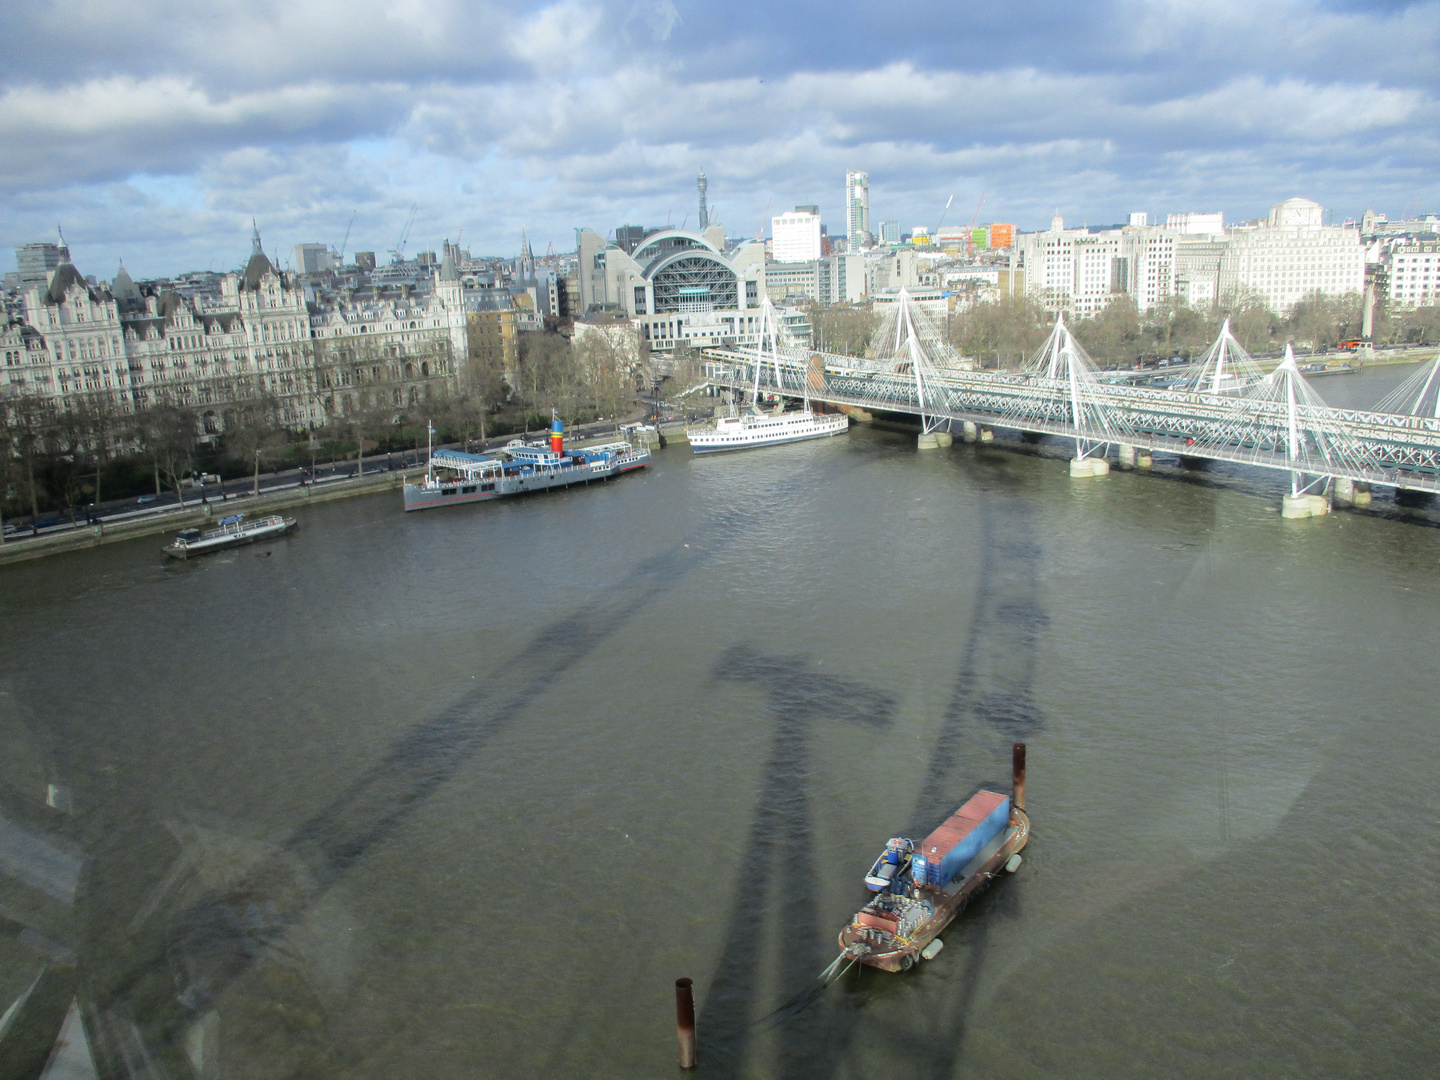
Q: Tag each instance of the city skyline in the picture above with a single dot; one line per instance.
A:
(156, 132)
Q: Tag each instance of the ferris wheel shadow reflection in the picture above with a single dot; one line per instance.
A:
(775, 899)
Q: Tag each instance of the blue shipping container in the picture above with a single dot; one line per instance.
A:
(960, 855)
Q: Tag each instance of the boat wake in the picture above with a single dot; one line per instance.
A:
(807, 997)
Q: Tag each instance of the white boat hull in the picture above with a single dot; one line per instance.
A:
(241, 533)
(765, 429)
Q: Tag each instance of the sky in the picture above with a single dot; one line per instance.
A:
(153, 131)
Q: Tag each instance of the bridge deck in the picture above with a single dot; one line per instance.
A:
(1370, 447)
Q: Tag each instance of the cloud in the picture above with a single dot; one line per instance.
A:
(654, 18)
(590, 112)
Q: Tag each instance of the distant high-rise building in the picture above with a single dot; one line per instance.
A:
(889, 232)
(857, 208)
(312, 258)
(1139, 219)
(35, 261)
(703, 186)
(796, 236)
(365, 260)
(628, 237)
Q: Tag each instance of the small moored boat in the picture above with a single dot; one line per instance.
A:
(228, 532)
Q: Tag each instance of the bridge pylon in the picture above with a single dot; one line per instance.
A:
(1225, 368)
(1063, 363)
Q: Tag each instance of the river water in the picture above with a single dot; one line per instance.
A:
(462, 793)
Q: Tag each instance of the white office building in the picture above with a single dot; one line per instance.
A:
(1075, 270)
(795, 237)
(1290, 256)
(1193, 257)
(835, 279)
(1415, 274)
(1196, 224)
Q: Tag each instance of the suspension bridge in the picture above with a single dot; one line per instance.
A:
(1223, 407)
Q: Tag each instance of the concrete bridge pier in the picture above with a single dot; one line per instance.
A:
(943, 438)
(987, 434)
(1304, 506)
(1352, 492)
(1093, 466)
(1125, 456)
(1144, 459)
(926, 441)
(969, 431)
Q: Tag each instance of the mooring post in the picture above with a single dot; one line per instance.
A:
(685, 1021)
(1017, 782)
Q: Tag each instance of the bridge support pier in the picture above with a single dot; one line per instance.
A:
(926, 441)
(1096, 466)
(1304, 506)
(1125, 456)
(943, 438)
(987, 434)
(1144, 459)
(1353, 492)
(970, 431)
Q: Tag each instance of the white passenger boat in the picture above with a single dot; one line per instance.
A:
(758, 428)
(228, 532)
(765, 429)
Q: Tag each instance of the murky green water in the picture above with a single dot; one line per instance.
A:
(462, 793)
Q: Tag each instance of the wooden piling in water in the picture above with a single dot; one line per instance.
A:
(685, 1021)
(1017, 782)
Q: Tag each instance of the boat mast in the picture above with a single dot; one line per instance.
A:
(429, 452)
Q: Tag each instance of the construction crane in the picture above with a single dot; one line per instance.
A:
(970, 237)
(340, 255)
(935, 232)
(760, 234)
(397, 253)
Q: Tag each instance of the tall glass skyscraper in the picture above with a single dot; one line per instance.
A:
(857, 208)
